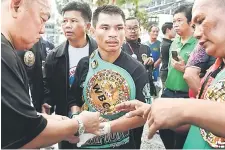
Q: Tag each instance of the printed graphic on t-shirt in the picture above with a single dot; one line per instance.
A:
(71, 75)
(111, 140)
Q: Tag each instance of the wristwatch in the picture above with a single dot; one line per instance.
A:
(74, 115)
(81, 127)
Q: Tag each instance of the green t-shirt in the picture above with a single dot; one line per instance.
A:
(175, 80)
(194, 140)
(215, 91)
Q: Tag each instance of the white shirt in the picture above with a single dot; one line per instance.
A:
(75, 54)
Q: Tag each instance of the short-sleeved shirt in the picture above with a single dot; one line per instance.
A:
(140, 78)
(20, 122)
(155, 51)
(175, 80)
(200, 59)
(214, 91)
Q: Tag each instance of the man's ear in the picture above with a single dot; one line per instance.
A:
(88, 26)
(14, 7)
(93, 30)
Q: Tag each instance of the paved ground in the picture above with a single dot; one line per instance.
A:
(154, 143)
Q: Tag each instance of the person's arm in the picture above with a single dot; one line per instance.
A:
(54, 132)
(208, 115)
(197, 62)
(191, 76)
(157, 63)
(196, 112)
(124, 124)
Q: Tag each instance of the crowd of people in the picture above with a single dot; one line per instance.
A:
(98, 90)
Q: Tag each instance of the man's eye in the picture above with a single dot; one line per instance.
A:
(199, 21)
(120, 28)
(104, 28)
(42, 19)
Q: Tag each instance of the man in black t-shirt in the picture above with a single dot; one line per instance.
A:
(32, 62)
(168, 31)
(22, 126)
(133, 44)
(108, 77)
(142, 53)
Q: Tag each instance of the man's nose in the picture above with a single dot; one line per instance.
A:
(68, 24)
(42, 31)
(112, 33)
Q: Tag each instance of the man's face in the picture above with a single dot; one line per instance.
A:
(172, 33)
(109, 32)
(74, 25)
(29, 23)
(154, 32)
(132, 29)
(209, 27)
(180, 24)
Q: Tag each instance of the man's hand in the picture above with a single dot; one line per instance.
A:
(178, 65)
(134, 108)
(165, 114)
(157, 63)
(148, 61)
(91, 121)
(45, 108)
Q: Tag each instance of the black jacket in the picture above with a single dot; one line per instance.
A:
(34, 73)
(57, 76)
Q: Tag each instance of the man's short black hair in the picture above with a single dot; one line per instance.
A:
(153, 25)
(167, 25)
(133, 18)
(107, 9)
(82, 7)
(186, 9)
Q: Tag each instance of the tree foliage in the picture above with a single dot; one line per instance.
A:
(136, 11)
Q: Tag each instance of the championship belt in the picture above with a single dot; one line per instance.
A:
(107, 85)
(215, 93)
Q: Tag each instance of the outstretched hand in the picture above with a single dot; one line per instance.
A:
(134, 108)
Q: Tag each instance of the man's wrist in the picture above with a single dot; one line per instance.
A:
(183, 69)
(106, 129)
(81, 127)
